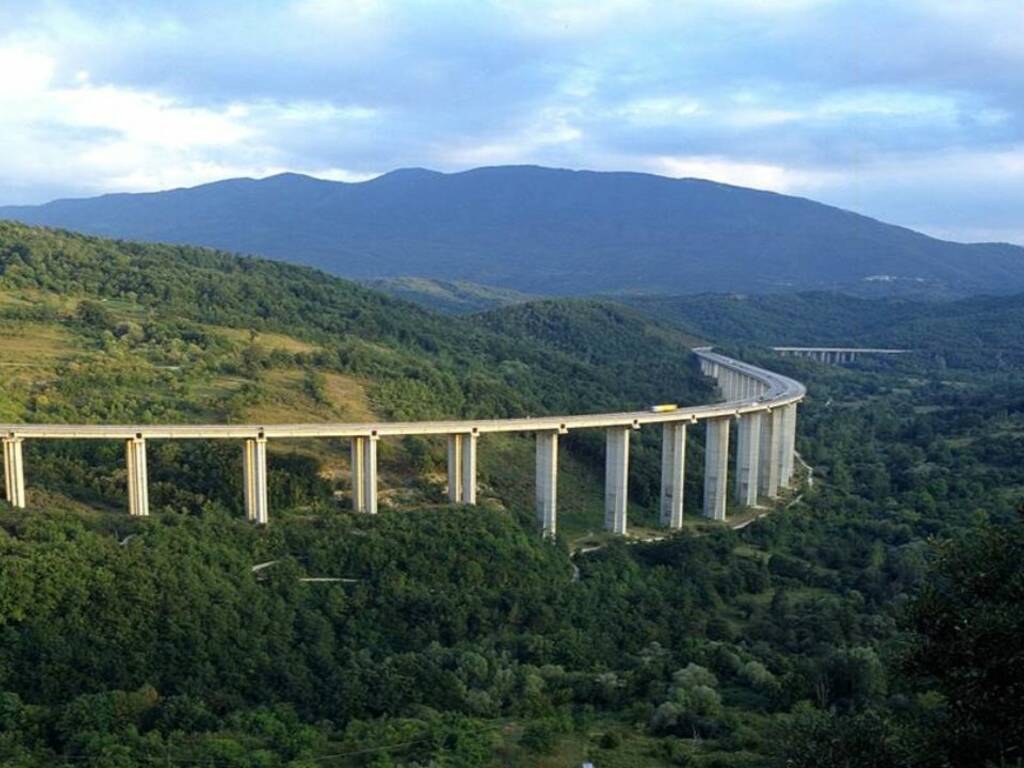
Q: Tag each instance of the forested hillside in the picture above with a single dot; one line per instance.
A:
(454, 298)
(173, 304)
(870, 619)
(550, 231)
(96, 330)
(981, 332)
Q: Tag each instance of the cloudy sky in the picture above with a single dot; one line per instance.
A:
(908, 110)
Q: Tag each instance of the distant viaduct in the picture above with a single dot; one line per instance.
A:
(837, 355)
(761, 404)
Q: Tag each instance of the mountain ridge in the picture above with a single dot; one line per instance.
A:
(549, 231)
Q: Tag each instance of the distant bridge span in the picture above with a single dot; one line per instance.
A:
(837, 354)
(761, 403)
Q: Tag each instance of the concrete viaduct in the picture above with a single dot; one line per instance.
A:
(760, 407)
(836, 355)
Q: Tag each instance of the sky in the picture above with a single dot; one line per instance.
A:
(911, 111)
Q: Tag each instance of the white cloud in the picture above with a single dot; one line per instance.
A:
(777, 178)
(880, 107)
(771, 7)
(23, 72)
(573, 18)
(342, 174)
(660, 109)
(552, 127)
(106, 137)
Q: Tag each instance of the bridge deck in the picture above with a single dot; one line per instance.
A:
(855, 350)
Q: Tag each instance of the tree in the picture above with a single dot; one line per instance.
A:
(967, 624)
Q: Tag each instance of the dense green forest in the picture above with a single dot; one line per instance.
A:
(982, 332)
(871, 619)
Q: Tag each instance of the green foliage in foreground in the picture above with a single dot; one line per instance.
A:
(128, 642)
(450, 630)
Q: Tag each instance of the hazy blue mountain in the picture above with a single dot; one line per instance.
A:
(547, 231)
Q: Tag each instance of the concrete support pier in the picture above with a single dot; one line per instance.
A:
(364, 474)
(673, 466)
(547, 482)
(255, 480)
(616, 478)
(716, 467)
(14, 472)
(138, 482)
(771, 453)
(356, 447)
(748, 454)
(469, 468)
(455, 468)
(462, 468)
(788, 444)
(370, 475)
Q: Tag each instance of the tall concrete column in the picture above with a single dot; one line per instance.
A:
(454, 468)
(138, 483)
(673, 465)
(462, 468)
(14, 472)
(771, 453)
(748, 453)
(547, 482)
(357, 446)
(255, 477)
(369, 475)
(616, 478)
(469, 468)
(788, 444)
(716, 466)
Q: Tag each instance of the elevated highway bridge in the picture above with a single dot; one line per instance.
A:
(837, 355)
(759, 406)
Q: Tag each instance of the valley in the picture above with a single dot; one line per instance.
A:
(450, 634)
(559, 384)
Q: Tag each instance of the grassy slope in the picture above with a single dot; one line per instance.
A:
(453, 298)
(95, 330)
